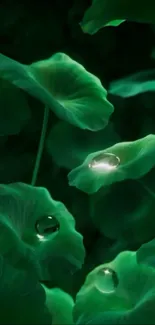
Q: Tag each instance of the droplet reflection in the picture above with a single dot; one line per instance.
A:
(106, 280)
(105, 161)
(46, 226)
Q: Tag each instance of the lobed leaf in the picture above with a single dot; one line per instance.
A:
(124, 160)
(41, 232)
(119, 292)
(73, 94)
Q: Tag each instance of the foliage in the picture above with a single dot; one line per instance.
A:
(77, 169)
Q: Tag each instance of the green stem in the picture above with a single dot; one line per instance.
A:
(41, 146)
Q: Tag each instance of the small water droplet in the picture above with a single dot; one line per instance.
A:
(105, 161)
(47, 225)
(106, 280)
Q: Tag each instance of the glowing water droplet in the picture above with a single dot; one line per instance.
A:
(106, 280)
(105, 161)
(46, 225)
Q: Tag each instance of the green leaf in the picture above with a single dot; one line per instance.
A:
(74, 94)
(119, 292)
(133, 85)
(41, 232)
(113, 12)
(14, 109)
(125, 160)
(69, 146)
(22, 299)
(60, 304)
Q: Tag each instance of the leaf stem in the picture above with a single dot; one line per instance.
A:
(41, 146)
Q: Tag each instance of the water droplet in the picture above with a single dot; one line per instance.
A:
(106, 280)
(47, 225)
(105, 161)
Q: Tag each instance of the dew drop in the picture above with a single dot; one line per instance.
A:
(105, 161)
(46, 226)
(106, 280)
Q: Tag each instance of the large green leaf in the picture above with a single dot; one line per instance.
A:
(125, 160)
(41, 232)
(73, 93)
(119, 292)
(113, 12)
